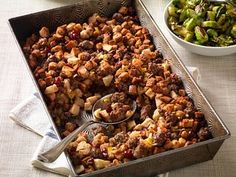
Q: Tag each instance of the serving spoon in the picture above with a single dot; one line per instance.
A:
(233, 2)
(53, 153)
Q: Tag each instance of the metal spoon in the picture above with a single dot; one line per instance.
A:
(53, 153)
(233, 2)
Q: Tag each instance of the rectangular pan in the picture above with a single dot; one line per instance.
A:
(23, 26)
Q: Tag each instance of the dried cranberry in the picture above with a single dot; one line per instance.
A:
(191, 135)
(58, 81)
(74, 35)
(128, 154)
(47, 49)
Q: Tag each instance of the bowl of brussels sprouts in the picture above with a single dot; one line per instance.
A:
(202, 27)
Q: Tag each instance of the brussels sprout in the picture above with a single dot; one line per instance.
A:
(211, 15)
(192, 3)
(191, 24)
(212, 33)
(210, 8)
(181, 31)
(201, 8)
(221, 20)
(215, 8)
(189, 36)
(231, 13)
(225, 40)
(229, 6)
(228, 31)
(179, 3)
(183, 15)
(225, 26)
(233, 31)
(172, 20)
(201, 34)
(186, 22)
(221, 10)
(210, 24)
(191, 13)
(197, 42)
(172, 11)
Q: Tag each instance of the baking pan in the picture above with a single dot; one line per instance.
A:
(23, 26)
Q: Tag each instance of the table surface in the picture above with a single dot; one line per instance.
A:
(218, 82)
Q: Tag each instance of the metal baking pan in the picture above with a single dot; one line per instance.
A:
(23, 26)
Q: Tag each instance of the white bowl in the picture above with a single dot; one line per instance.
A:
(199, 49)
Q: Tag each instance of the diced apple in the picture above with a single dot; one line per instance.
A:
(83, 72)
(88, 106)
(147, 122)
(107, 80)
(92, 99)
(158, 102)
(75, 109)
(97, 113)
(99, 163)
(51, 89)
(107, 47)
(173, 94)
(131, 124)
(104, 114)
(68, 71)
(73, 60)
(150, 93)
(156, 115)
(67, 84)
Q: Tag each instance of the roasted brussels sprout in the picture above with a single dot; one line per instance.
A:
(222, 19)
(172, 11)
(231, 13)
(179, 3)
(210, 24)
(191, 24)
(212, 33)
(181, 31)
(203, 22)
(189, 36)
(183, 15)
(225, 40)
(201, 34)
(190, 13)
(233, 31)
(211, 15)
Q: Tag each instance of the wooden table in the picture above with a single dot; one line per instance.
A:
(17, 145)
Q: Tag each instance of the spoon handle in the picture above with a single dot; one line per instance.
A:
(53, 153)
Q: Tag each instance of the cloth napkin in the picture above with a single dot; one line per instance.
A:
(30, 114)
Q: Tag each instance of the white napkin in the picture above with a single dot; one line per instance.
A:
(31, 115)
